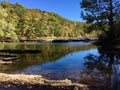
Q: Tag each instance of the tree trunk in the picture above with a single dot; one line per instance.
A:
(111, 35)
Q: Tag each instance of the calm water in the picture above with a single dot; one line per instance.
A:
(77, 61)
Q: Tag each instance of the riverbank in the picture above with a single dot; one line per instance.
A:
(53, 39)
(22, 80)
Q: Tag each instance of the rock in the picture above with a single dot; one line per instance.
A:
(37, 80)
(78, 86)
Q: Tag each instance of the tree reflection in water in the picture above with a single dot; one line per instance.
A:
(102, 71)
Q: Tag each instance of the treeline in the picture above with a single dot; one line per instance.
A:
(20, 23)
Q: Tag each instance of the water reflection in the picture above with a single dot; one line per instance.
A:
(50, 53)
(102, 70)
(68, 66)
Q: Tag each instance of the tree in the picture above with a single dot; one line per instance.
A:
(103, 15)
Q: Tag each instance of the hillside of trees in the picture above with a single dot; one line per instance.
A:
(20, 23)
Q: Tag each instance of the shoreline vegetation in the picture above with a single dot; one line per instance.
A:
(14, 80)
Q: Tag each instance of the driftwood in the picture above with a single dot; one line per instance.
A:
(7, 59)
(37, 80)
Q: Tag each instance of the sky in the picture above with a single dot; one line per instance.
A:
(70, 9)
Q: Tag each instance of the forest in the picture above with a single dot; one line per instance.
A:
(20, 23)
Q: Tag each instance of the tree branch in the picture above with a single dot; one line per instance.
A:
(99, 24)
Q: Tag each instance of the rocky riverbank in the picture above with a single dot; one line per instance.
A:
(10, 80)
(53, 39)
(59, 40)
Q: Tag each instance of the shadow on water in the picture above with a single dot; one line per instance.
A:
(103, 70)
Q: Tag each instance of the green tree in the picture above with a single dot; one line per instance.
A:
(103, 15)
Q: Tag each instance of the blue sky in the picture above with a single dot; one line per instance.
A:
(70, 9)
